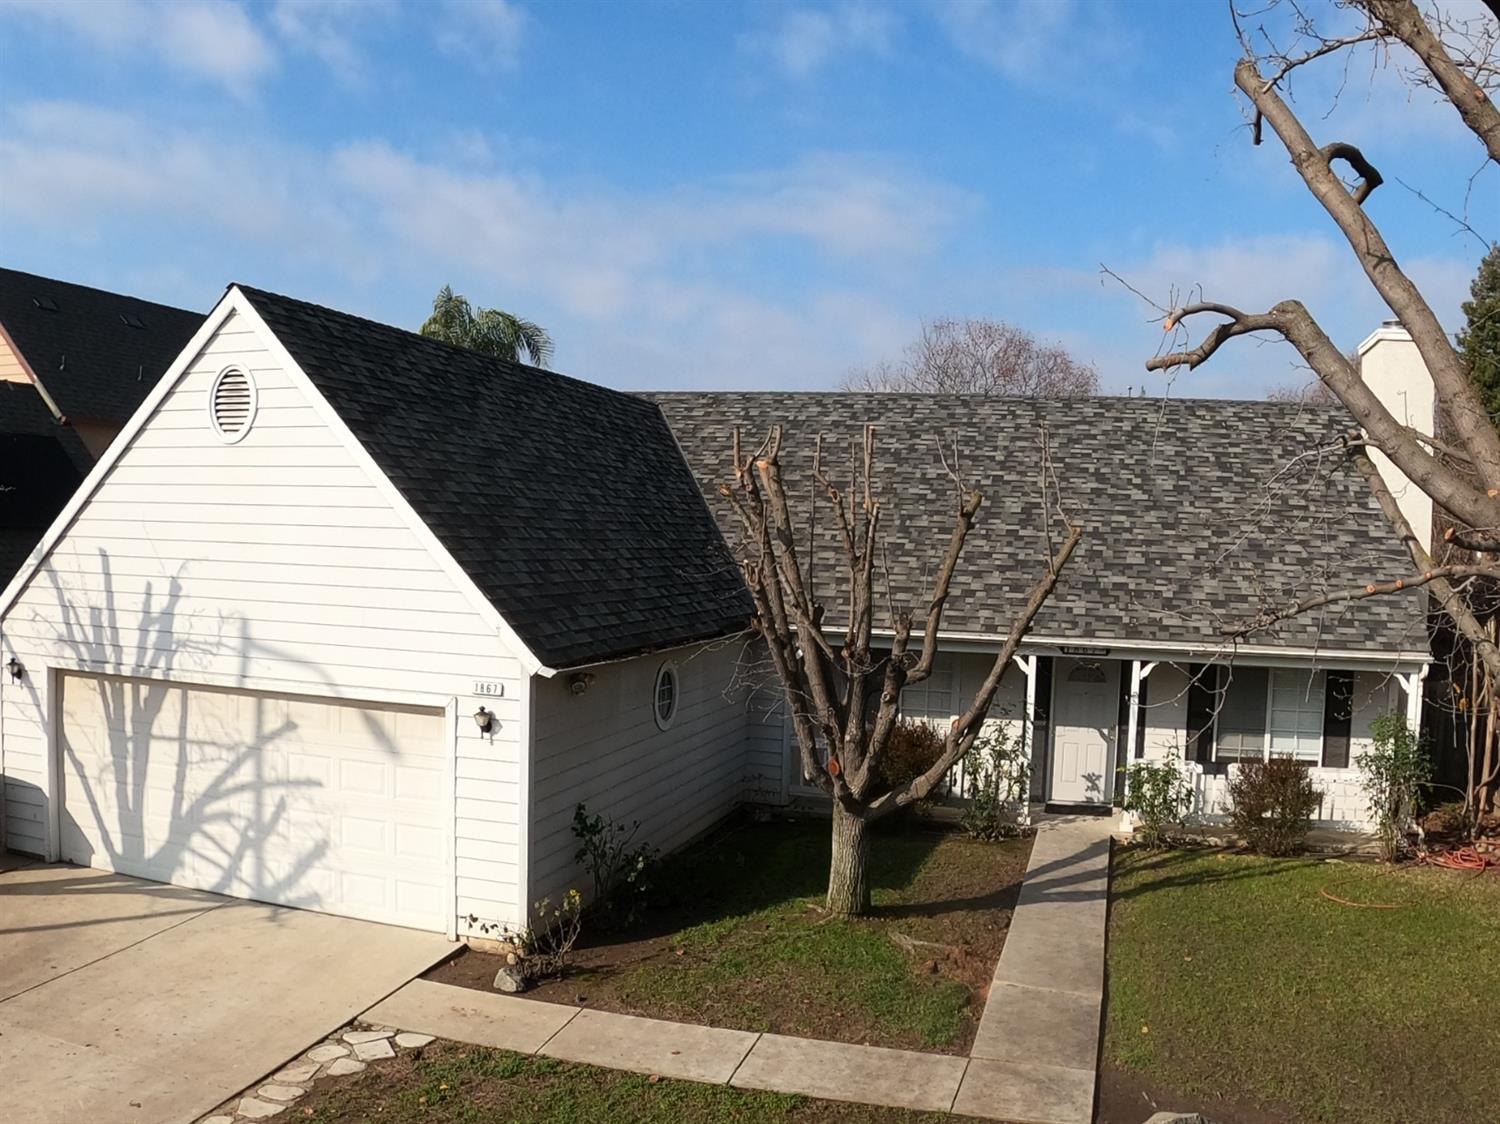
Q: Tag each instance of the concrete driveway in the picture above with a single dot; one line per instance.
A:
(132, 1002)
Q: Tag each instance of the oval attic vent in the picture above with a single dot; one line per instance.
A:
(232, 403)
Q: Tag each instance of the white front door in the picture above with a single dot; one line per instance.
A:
(1085, 707)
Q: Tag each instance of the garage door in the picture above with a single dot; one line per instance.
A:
(324, 805)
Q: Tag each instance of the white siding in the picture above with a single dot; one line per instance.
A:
(275, 564)
(603, 748)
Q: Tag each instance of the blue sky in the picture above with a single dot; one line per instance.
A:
(710, 194)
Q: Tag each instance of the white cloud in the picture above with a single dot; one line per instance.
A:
(484, 31)
(805, 40)
(628, 283)
(325, 29)
(211, 41)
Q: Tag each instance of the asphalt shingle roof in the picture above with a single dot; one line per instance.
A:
(567, 503)
(1196, 513)
(97, 353)
(41, 465)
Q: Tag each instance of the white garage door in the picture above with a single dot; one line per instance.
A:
(323, 805)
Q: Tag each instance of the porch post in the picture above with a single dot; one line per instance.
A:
(1138, 674)
(1412, 685)
(1027, 664)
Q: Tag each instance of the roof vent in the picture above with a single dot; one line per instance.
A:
(131, 320)
(46, 304)
(231, 404)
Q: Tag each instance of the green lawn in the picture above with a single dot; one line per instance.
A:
(736, 937)
(450, 1084)
(1234, 982)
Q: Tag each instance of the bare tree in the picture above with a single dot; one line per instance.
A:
(979, 357)
(845, 700)
(1470, 498)
(1313, 393)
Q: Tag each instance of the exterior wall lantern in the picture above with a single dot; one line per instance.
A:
(485, 720)
(17, 671)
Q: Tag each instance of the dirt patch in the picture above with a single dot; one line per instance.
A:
(1128, 1098)
(739, 939)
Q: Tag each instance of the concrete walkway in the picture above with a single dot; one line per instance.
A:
(1033, 1060)
(1036, 1054)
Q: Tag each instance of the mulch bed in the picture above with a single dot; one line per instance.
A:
(736, 937)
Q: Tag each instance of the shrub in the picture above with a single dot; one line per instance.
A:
(549, 942)
(620, 871)
(1271, 805)
(1395, 772)
(997, 775)
(913, 748)
(1156, 793)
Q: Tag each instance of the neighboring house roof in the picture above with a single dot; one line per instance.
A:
(1195, 513)
(41, 465)
(568, 504)
(97, 354)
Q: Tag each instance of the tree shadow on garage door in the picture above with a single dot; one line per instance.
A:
(160, 783)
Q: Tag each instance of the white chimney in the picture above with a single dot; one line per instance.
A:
(1392, 368)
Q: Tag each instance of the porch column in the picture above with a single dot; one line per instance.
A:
(1027, 664)
(1138, 674)
(1412, 685)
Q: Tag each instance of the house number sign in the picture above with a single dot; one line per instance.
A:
(489, 687)
(1080, 650)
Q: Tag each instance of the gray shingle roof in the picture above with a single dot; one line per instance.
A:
(567, 503)
(1196, 513)
(97, 353)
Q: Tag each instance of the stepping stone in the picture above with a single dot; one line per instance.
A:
(327, 1052)
(257, 1109)
(409, 1041)
(374, 1051)
(299, 1074)
(355, 1037)
(219, 1120)
(345, 1066)
(281, 1094)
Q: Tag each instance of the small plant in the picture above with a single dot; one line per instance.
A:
(997, 775)
(1271, 805)
(1156, 794)
(620, 871)
(1395, 772)
(548, 944)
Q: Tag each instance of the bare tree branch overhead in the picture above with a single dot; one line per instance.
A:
(845, 702)
(1457, 57)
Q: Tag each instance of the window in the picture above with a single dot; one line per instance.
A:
(231, 404)
(664, 695)
(1271, 713)
(1242, 715)
(933, 697)
(1296, 719)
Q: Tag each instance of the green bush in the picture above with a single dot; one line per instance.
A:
(1156, 794)
(997, 775)
(1395, 772)
(1271, 805)
(620, 872)
(913, 748)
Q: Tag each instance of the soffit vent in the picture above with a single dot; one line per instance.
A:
(232, 404)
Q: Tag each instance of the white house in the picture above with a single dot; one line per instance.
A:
(352, 620)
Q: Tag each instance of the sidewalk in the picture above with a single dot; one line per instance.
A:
(1033, 1061)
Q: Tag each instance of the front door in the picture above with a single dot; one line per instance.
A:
(1085, 706)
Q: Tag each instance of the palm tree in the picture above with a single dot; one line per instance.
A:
(488, 330)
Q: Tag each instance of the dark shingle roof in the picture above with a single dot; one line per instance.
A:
(1196, 513)
(567, 503)
(41, 465)
(85, 346)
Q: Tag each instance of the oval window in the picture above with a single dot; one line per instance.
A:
(664, 695)
(231, 404)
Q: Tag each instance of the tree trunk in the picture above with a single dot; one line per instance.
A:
(848, 873)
